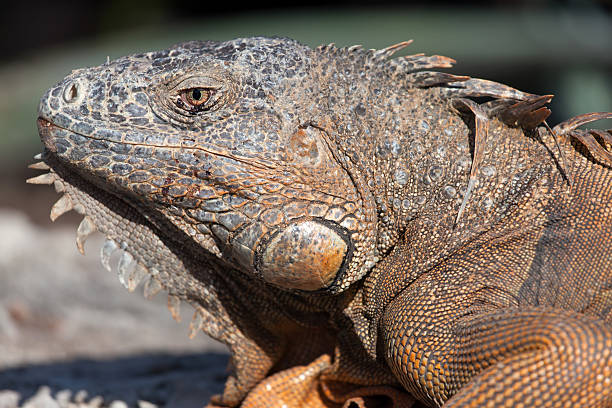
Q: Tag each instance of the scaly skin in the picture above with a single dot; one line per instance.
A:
(357, 229)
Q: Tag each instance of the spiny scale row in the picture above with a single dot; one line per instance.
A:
(129, 271)
(376, 55)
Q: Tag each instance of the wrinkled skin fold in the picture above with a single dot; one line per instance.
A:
(359, 230)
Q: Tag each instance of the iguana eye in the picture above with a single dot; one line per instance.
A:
(195, 98)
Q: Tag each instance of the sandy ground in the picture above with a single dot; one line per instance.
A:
(68, 326)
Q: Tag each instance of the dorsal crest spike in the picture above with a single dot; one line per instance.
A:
(419, 62)
(328, 48)
(528, 113)
(385, 53)
(597, 142)
(424, 79)
(573, 123)
(481, 133)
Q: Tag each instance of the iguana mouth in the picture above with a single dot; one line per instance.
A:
(101, 212)
(44, 129)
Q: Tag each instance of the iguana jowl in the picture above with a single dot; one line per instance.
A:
(357, 229)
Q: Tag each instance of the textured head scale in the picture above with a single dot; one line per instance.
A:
(229, 141)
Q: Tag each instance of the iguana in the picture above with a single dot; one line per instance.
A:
(357, 229)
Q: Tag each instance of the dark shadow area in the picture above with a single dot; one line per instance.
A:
(163, 379)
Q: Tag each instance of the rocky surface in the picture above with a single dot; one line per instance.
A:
(72, 336)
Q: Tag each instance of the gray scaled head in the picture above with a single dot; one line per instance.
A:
(227, 140)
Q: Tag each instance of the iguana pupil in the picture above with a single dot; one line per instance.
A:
(196, 94)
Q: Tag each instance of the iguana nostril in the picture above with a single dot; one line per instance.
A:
(71, 92)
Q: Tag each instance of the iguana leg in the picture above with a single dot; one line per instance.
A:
(502, 358)
(303, 386)
(294, 387)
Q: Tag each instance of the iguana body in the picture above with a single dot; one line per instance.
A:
(356, 229)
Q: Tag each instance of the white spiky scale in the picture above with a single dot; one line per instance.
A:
(151, 287)
(47, 178)
(174, 305)
(39, 166)
(61, 207)
(85, 229)
(137, 275)
(196, 324)
(125, 267)
(59, 186)
(105, 253)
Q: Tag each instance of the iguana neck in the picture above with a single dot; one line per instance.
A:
(421, 169)
(419, 178)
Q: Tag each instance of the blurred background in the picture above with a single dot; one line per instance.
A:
(56, 305)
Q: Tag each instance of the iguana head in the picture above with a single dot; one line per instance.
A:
(231, 144)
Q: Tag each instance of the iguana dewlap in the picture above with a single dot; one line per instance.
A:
(358, 230)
